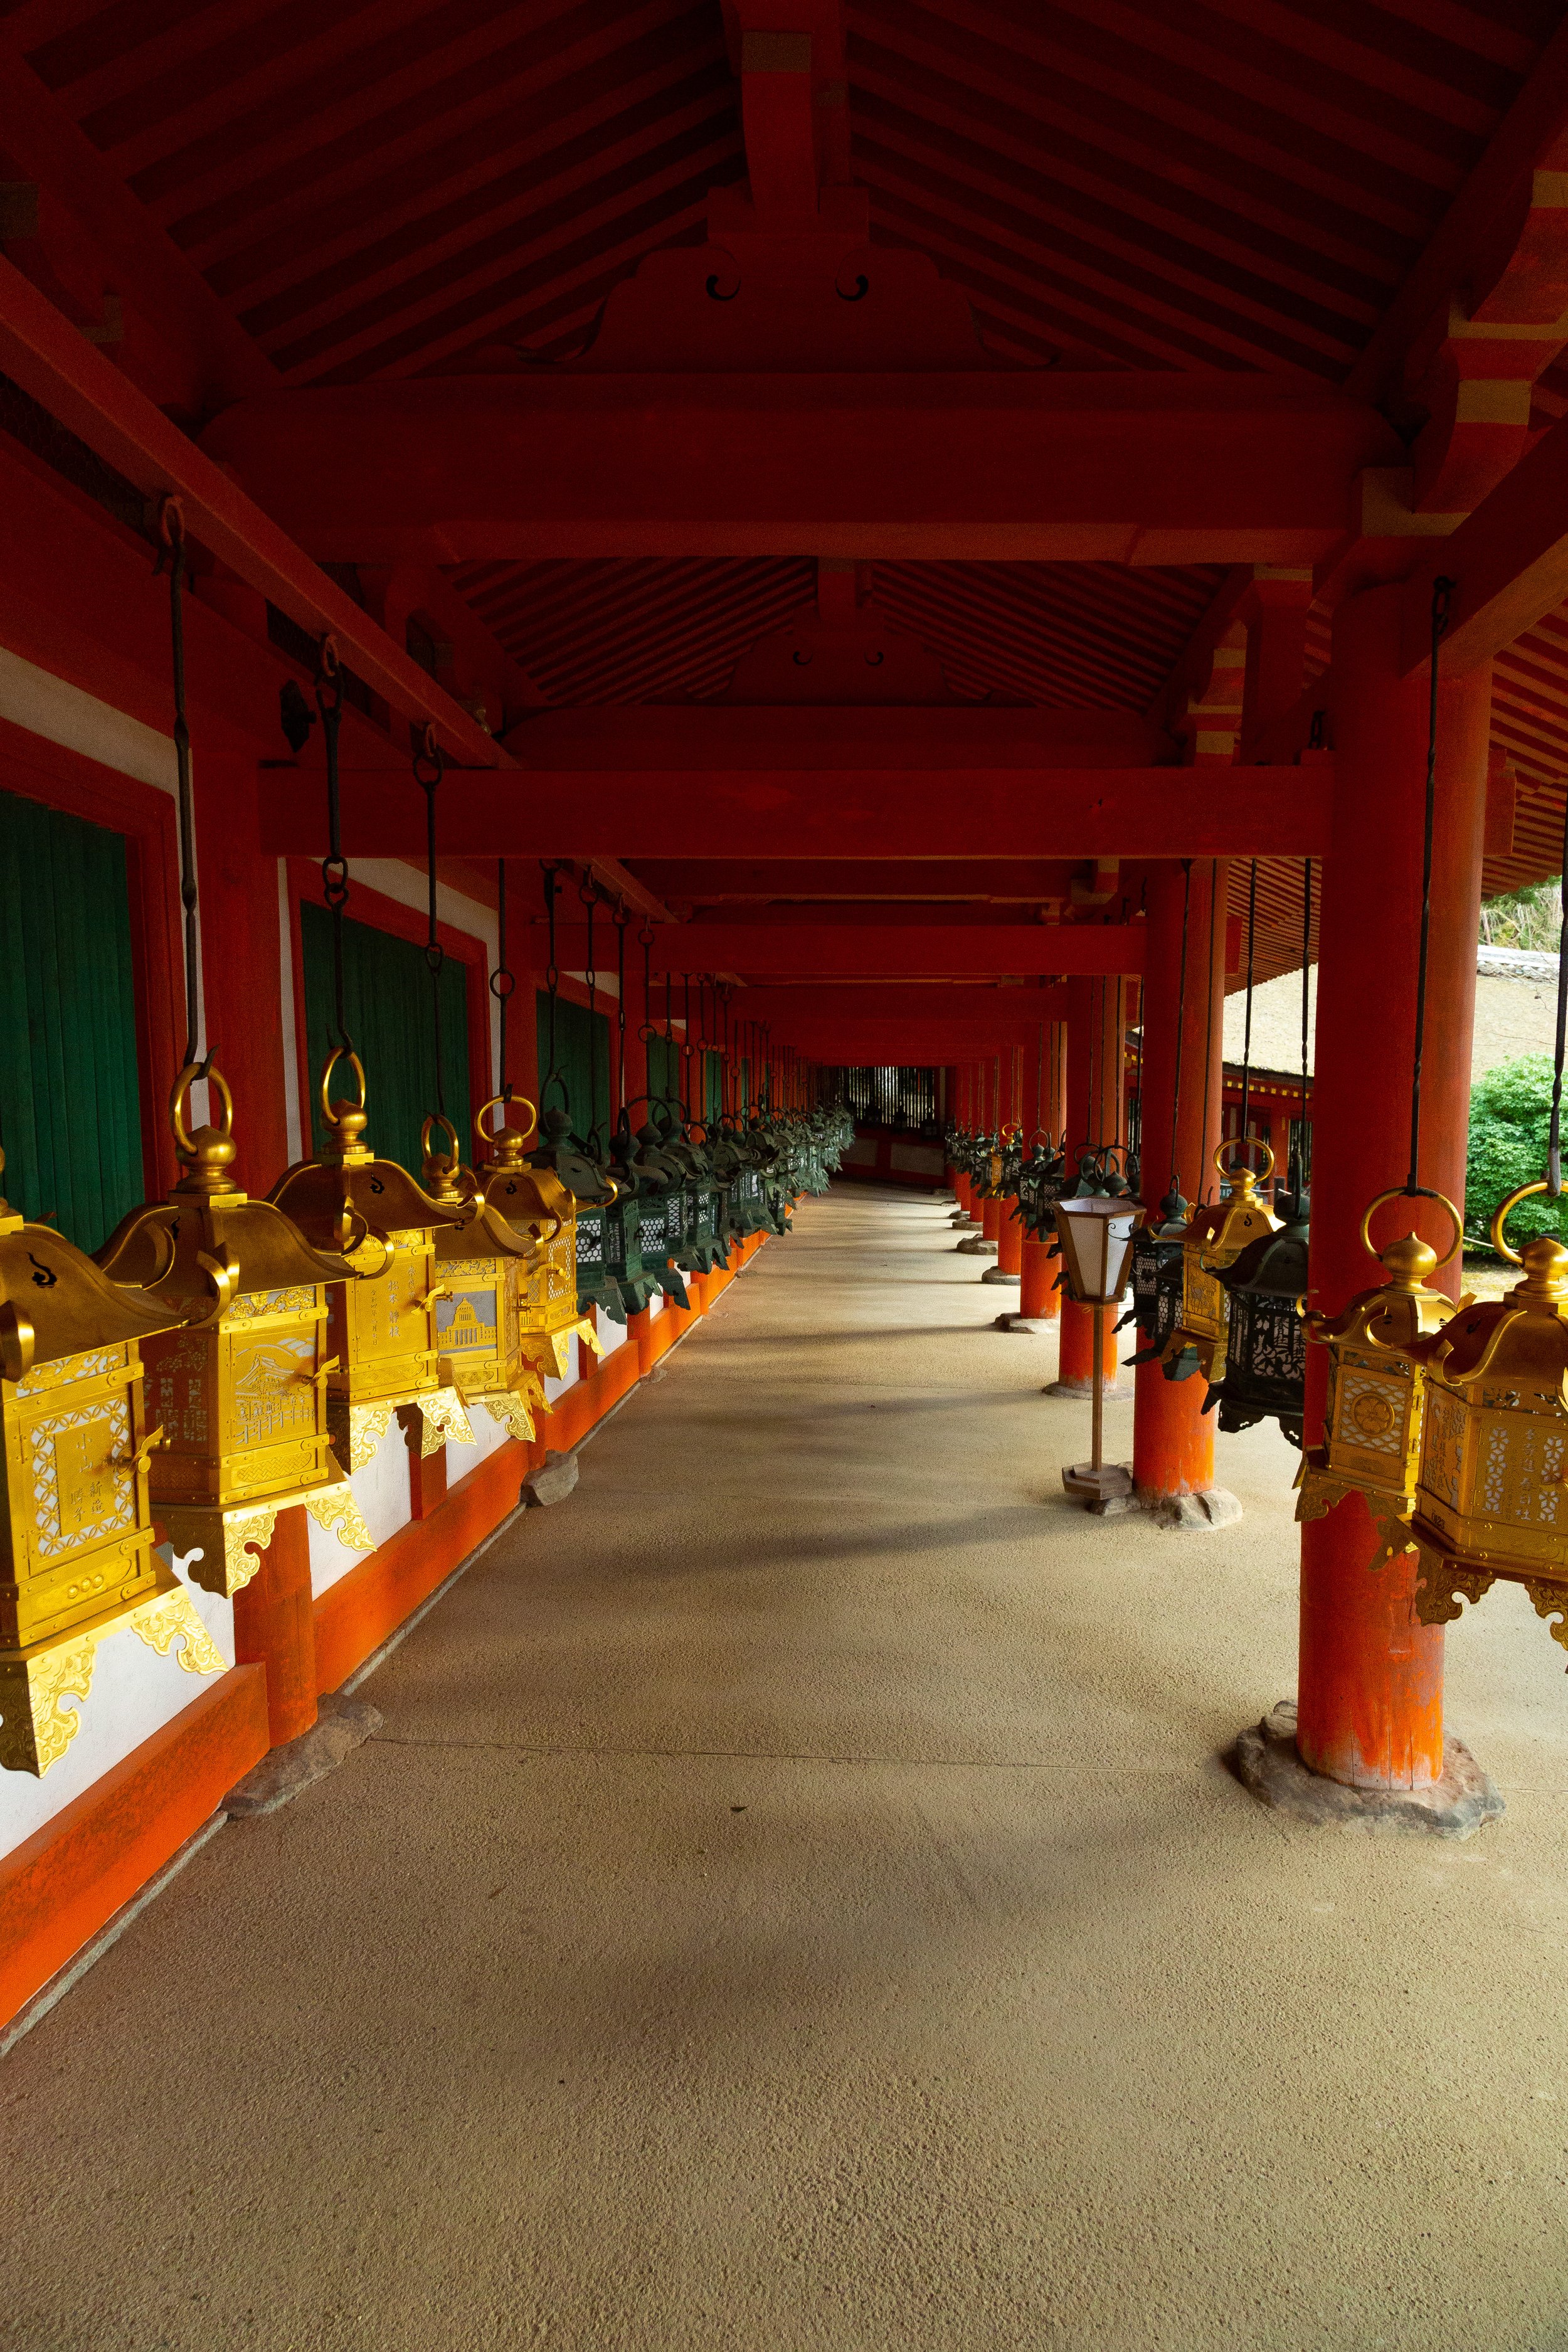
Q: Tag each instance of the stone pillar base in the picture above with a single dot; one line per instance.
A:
(1214, 1507)
(1264, 1761)
(1011, 1320)
(1084, 1391)
(999, 1273)
(976, 1245)
(288, 1770)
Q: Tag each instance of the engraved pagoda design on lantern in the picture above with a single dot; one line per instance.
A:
(486, 1266)
(239, 1386)
(79, 1562)
(381, 1326)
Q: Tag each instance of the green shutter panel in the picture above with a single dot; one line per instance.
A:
(71, 1113)
(387, 1008)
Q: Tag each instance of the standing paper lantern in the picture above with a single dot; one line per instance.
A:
(1096, 1232)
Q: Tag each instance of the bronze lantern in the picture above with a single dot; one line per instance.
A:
(1492, 1496)
(1373, 1409)
(484, 1266)
(240, 1388)
(380, 1327)
(79, 1561)
(1214, 1238)
(531, 1195)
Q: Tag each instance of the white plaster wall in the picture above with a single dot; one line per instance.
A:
(380, 1490)
(134, 1693)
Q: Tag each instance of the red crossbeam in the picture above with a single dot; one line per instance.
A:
(853, 813)
(1111, 468)
(42, 351)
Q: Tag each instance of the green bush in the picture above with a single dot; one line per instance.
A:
(1510, 1112)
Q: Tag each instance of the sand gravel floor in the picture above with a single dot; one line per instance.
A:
(797, 1900)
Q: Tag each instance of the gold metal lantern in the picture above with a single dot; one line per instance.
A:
(239, 1389)
(1214, 1239)
(1372, 1413)
(78, 1561)
(532, 1197)
(1491, 1498)
(380, 1327)
(484, 1266)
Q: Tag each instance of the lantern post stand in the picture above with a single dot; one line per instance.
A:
(1096, 1231)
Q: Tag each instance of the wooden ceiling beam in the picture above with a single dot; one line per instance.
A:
(854, 814)
(1122, 467)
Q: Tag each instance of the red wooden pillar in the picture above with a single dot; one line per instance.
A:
(1173, 1437)
(1371, 1693)
(1096, 1111)
(275, 1627)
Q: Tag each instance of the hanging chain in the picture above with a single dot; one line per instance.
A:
(589, 895)
(172, 531)
(1553, 1141)
(1208, 1034)
(1442, 598)
(621, 918)
(427, 772)
(1247, 1041)
(1181, 1022)
(1298, 1156)
(334, 865)
(551, 978)
(502, 980)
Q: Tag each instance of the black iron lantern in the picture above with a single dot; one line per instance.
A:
(1266, 1349)
(1157, 1287)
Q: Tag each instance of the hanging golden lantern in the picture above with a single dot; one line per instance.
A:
(1491, 1498)
(78, 1561)
(380, 1327)
(239, 1389)
(1214, 1238)
(484, 1266)
(531, 1196)
(1373, 1413)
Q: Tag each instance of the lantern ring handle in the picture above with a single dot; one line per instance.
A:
(439, 1118)
(506, 1101)
(340, 1053)
(182, 1084)
(1505, 1210)
(1232, 1142)
(1403, 1192)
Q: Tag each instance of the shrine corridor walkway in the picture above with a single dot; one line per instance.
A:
(796, 1900)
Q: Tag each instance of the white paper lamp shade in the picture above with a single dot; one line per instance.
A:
(1095, 1235)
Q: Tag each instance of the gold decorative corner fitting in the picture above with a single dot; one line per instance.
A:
(334, 1508)
(35, 1726)
(444, 1419)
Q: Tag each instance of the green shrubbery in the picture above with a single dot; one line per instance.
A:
(1510, 1110)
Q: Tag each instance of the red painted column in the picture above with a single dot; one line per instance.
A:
(1173, 1437)
(1096, 1114)
(275, 1627)
(1370, 1692)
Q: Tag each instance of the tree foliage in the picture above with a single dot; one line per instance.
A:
(1511, 1112)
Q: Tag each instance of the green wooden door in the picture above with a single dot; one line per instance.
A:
(71, 1114)
(582, 1047)
(387, 1007)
